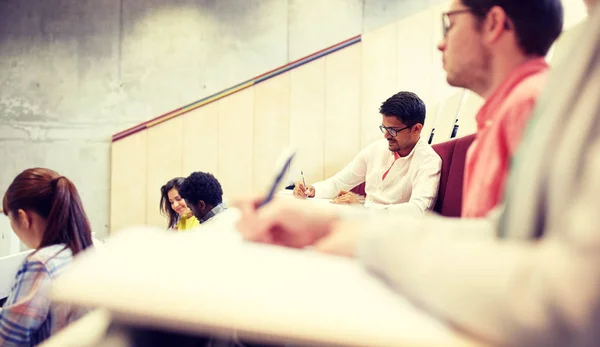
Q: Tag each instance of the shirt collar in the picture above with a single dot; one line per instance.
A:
(412, 152)
(215, 211)
(516, 76)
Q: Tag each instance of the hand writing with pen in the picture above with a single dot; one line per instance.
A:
(301, 190)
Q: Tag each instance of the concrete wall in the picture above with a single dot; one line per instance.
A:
(73, 72)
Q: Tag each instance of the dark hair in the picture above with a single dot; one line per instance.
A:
(538, 23)
(54, 198)
(405, 106)
(202, 186)
(165, 205)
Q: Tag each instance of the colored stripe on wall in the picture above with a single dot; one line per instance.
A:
(261, 78)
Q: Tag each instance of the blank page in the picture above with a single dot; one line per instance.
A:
(210, 281)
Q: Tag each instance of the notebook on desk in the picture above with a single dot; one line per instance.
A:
(212, 282)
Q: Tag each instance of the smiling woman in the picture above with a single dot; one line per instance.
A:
(174, 207)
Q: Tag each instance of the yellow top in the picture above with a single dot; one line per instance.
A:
(187, 223)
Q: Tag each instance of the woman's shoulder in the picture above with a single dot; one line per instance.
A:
(52, 258)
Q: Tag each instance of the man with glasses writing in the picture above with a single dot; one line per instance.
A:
(400, 172)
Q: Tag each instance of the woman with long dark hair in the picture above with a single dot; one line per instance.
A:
(46, 213)
(173, 206)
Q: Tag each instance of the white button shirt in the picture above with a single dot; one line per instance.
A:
(411, 184)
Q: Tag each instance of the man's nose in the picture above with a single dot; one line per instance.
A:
(441, 46)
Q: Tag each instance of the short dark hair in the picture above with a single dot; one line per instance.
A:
(202, 186)
(406, 106)
(538, 23)
(165, 204)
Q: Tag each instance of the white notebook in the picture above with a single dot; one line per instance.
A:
(210, 281)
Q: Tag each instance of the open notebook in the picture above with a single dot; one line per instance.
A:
(210, 281)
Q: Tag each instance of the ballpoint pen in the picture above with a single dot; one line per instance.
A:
(278, 179)
(304, 182)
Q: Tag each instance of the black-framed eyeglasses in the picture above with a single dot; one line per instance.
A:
(446, 25)
(393, 131)
(446, 19)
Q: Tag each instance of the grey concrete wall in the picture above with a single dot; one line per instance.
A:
(73, 72)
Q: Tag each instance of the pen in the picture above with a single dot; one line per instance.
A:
(303, 181)
(278, 179)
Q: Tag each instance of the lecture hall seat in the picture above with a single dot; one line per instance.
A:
(453, 154)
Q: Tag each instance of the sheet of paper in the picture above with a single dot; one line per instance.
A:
(211, 281)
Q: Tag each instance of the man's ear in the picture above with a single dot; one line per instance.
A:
(23, 218)
(417, 128)
(494, 24)
(201, 205)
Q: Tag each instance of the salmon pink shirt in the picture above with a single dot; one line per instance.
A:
(500, 125)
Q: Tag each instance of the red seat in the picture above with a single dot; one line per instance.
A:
(454, 155)
(359, 189)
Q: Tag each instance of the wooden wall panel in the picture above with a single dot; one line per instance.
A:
(342, 108)
(307, 114)
(200, 139)
(235, 145)
(271, 128)
(128, 174)
(415, 47)
(379, 78)
(165, 157)
(440, 89)
(445, 120)
(434, 111)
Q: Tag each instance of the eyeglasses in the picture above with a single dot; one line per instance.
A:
(391, 130)
(446, 19)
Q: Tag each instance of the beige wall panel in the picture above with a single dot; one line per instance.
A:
(440, 89)
(200, 138)
(307, 120)
(165, 155)
(446, 117)
(342, 108)
(128, 182)
(415, 55)
(379, 75)
(434, 111)
(235, 144)
(271, 128)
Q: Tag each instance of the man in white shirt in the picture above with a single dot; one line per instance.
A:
(400, 172)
